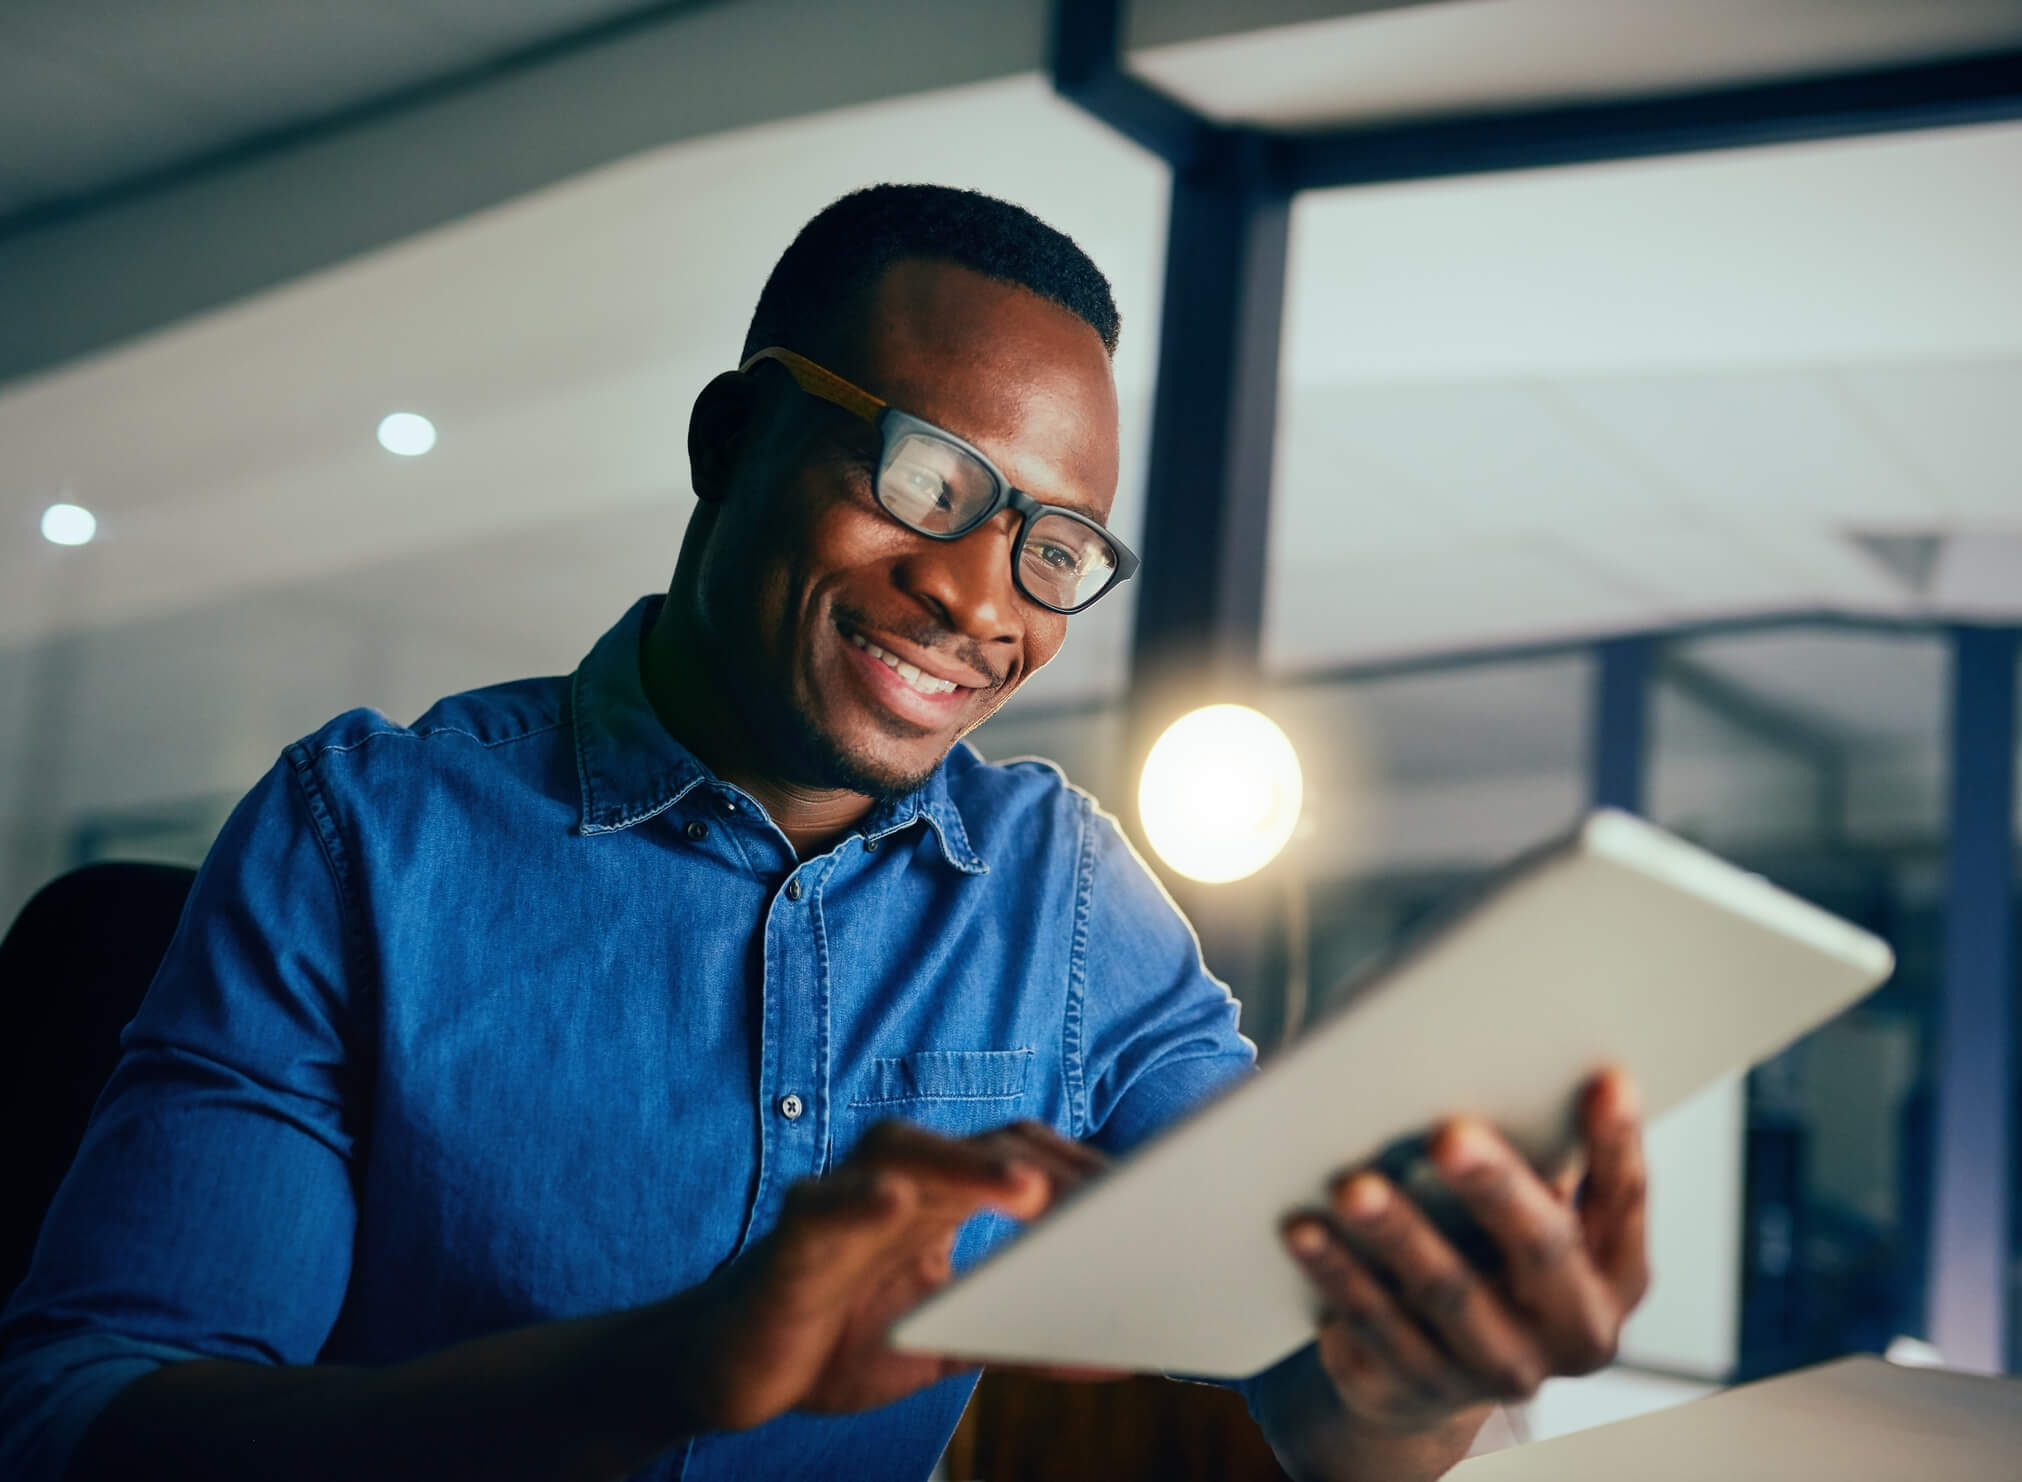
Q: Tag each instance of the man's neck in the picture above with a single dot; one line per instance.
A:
(691, 704)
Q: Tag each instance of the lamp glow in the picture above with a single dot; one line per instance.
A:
(407, 433)
(1220, 793)
(68, 524)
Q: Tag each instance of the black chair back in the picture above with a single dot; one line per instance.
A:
(73, 970)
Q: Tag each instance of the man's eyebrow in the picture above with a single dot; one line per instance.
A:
(1086, 511)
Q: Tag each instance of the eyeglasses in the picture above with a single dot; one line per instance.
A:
(934, 483)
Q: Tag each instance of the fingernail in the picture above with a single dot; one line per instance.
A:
(1467, 1147)
(1307, 1240)
(1367, 1196)
(1623, 1100)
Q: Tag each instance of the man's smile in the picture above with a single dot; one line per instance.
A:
(925, 695)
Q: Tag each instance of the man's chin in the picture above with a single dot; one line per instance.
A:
(884, 773)
(882, 783)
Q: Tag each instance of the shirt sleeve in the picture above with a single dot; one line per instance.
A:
(210, 1210)
(1152, 1032)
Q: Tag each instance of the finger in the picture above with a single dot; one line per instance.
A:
(1410, 1369)
(845, 1229)
(1439, 1290)
(1547, 1271)
(1067, 1165)
(955, 1177)
(1613, 1215)
(1037, 1135)
(882, 1247)
(872, 1224)
(1567, 1178)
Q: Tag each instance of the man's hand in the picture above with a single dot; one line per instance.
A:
(1414, 1338)
(800, 1323)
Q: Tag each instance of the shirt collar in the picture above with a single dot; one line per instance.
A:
(631, 770)
(931, 801)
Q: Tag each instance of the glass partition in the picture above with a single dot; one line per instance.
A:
(1816, 756)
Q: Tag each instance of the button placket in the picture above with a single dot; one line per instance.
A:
(793, 1073)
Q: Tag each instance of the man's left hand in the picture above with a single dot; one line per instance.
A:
(1413, 1337)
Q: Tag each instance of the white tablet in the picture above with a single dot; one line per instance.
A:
(1619, 945)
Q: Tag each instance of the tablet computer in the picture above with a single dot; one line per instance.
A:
(1619, 944)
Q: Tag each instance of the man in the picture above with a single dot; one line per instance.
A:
(578, 1081)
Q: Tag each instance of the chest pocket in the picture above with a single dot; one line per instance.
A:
(955, 1092)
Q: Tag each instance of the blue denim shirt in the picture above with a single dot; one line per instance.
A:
(520, 1013)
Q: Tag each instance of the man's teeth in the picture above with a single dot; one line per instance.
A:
(926, 684)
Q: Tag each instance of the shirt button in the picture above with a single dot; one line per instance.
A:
(793, 890)
(698, 830)
(870, 845)
(791, 1106)
(730, 805)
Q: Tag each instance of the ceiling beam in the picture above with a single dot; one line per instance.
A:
(1983, 89)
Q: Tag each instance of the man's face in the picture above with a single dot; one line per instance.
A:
(805, 576)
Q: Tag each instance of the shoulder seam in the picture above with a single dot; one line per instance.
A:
(330, 844)
(341, 748)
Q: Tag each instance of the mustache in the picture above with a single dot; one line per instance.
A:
(925, 633)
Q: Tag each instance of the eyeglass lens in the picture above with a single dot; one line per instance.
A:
(1064, 562)
(939, 489)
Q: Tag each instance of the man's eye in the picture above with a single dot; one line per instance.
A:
(929, 487)
(1059, 557)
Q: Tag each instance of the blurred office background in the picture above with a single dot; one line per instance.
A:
(1747, 421)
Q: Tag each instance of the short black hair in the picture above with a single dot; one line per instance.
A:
(841, 254)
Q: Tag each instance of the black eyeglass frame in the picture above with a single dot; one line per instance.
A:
(893, 425)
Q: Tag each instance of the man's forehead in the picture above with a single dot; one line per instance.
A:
(1023, 378)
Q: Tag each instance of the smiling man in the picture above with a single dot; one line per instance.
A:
(576, 1082)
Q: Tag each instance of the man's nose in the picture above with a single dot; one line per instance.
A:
(968, 581)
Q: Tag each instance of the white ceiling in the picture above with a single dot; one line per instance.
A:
(1517, 407)
(1638, 394)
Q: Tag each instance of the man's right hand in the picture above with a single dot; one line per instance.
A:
(797, 1323)
(800, 1323)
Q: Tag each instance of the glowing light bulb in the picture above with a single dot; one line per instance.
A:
(1220, 793)
(407, 433)
(68, 524)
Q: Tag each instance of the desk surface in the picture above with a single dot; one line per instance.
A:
(1859, 1418)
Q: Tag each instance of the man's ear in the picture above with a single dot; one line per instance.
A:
(720, 432)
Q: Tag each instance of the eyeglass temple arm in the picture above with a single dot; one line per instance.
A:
(825, 384)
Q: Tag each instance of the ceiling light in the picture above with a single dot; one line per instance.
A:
(68, 524)
(407, 433)
(1220, 793)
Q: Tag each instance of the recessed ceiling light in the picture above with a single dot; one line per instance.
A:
(407, 433)
(68, 524)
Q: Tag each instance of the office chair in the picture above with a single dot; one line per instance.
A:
(73, 970)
